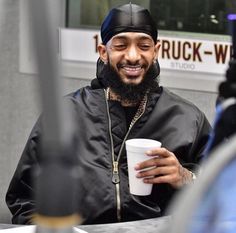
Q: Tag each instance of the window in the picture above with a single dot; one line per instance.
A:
(90, 13)
(201, 16)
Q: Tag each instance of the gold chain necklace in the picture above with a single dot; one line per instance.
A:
(140, 109)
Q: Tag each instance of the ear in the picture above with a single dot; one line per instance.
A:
(157, 48)
(103, 52)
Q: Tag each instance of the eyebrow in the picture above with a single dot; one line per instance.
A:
(140, 37)
(120, 37)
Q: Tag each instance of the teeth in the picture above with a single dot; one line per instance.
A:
(132, 68)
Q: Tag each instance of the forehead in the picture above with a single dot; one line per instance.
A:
(131, 36)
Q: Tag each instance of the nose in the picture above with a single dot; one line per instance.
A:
(132, 54)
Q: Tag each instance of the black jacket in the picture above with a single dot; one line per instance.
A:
(180, 126)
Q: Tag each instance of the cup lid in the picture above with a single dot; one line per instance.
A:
(137, 144)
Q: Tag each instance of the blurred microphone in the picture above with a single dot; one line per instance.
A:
(56, 181)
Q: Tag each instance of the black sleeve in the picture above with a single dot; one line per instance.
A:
(20, 193)
(192, 160)
(196, 153)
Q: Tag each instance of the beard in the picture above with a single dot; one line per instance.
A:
(132, 93)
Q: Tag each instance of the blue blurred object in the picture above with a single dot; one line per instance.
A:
(210, 205)
(232, 17)
(216, 212)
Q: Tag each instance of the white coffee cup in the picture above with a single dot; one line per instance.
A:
(136, 152)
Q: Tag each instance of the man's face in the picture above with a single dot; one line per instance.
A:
(130, 54)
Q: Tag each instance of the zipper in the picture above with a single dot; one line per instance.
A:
(115, 173)
(115, 169)
(115, 162)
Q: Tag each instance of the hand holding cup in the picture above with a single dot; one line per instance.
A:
(136, 153)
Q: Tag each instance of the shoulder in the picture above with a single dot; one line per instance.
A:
(174, 100)
(86, 97)
(80, 94)
(93, 88)
(77, 93)
(174, 105)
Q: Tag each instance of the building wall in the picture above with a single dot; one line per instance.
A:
(19, 104)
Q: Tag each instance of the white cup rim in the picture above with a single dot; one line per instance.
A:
(141, 143)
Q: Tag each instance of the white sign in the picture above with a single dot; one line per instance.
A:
(194, 55)
(175, 53)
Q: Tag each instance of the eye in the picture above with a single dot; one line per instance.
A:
(144, 46)
(119, 46)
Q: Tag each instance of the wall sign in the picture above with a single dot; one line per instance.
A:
(175, 53)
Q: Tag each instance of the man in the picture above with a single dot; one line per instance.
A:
(125, 101)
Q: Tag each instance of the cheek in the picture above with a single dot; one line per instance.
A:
(114, 60)
(150, 57)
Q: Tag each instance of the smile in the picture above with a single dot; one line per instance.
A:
(132, 70)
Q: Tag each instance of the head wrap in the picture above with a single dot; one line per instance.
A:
(128, 18)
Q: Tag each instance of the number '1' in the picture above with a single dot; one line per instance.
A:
(96, 43)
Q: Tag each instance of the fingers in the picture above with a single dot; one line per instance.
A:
(160, 175)
(158, 161)
(160, 179)
(162, 167)
(162, 152)
(157, 171)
